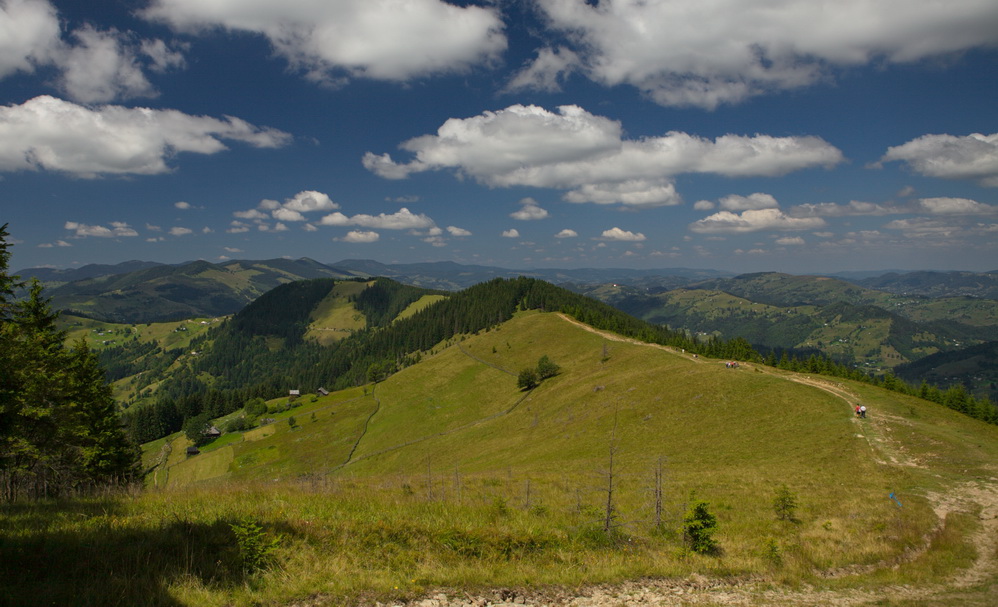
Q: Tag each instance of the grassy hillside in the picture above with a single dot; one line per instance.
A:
(446, 474)
(137, 357)
(336, 317)
(844, 321)
(167, 292)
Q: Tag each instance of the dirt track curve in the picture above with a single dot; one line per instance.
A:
(964, 588)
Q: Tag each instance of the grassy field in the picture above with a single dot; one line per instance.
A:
(448, 475)
(335, 317)
(168, 335)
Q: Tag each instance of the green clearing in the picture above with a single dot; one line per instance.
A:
(419, 304)
(167, 335)
(447, 475)
(335, 317)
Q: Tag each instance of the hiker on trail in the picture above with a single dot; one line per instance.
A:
(862, 411)
(857, 409)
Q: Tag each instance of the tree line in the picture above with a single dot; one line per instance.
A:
(261, 352)
(59, 427)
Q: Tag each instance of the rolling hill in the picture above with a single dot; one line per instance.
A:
(936, 284)
(449, 447)
(427, 470)
(906, 317)
(197, 289)
(846, 322)
(138, 292)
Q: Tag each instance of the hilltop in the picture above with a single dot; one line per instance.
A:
(878, 322)
(453, 439)
(426, 468)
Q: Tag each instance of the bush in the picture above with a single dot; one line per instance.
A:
(546, 368)
(785, 504)
(195, 427)
(255, 407)
(237, 424)
(527, 379)
(255, 548)
(698, 529)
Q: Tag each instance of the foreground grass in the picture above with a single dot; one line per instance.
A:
(447, 475)
(344, 541)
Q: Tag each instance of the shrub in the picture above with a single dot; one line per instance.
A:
(698, 529)
(237, 424)
(255, 548)
(546, 368)
(785, 504)
(527, 379)
(255, 407)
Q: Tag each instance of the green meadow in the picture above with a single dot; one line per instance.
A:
(447, 475)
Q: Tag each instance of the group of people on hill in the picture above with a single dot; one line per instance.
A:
(731, 364)
(860, 410)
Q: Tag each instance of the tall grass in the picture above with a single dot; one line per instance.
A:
(458, 479)
(397, 537)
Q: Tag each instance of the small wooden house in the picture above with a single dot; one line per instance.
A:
(213, 432)
(192, 450)
(323, 392)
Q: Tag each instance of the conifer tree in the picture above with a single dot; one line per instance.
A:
(59, 429)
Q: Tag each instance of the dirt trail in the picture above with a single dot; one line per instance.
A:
(971, 497)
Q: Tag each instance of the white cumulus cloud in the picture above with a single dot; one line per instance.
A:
(572, 149)
(754, 220)
(456, 231)
(706, 53)
(286, 214)
(954, 206)
(831, 209)
(403, 219)
(118, 228)
(622, 235)
(29, 35)
(50, 134)
(567, 233)
(511, 233)
(395, 40)
(359, 236)
(529, 211)
(180, 231)
(546, 72)
(310, 200)
(92, 65)
(973, 157)
(738, 203)
(925, 228)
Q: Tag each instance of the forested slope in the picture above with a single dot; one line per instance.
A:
(261, 351)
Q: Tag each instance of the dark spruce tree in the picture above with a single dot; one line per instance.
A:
(59, 428)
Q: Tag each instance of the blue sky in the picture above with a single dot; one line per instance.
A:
(802, 136)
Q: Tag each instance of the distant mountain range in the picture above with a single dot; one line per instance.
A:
(137, 291)
(163, 292)
(880, 322)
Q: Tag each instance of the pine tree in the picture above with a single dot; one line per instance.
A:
(59, 428)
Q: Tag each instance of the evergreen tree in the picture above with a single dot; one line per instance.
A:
(59, 429)
(698, 529)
